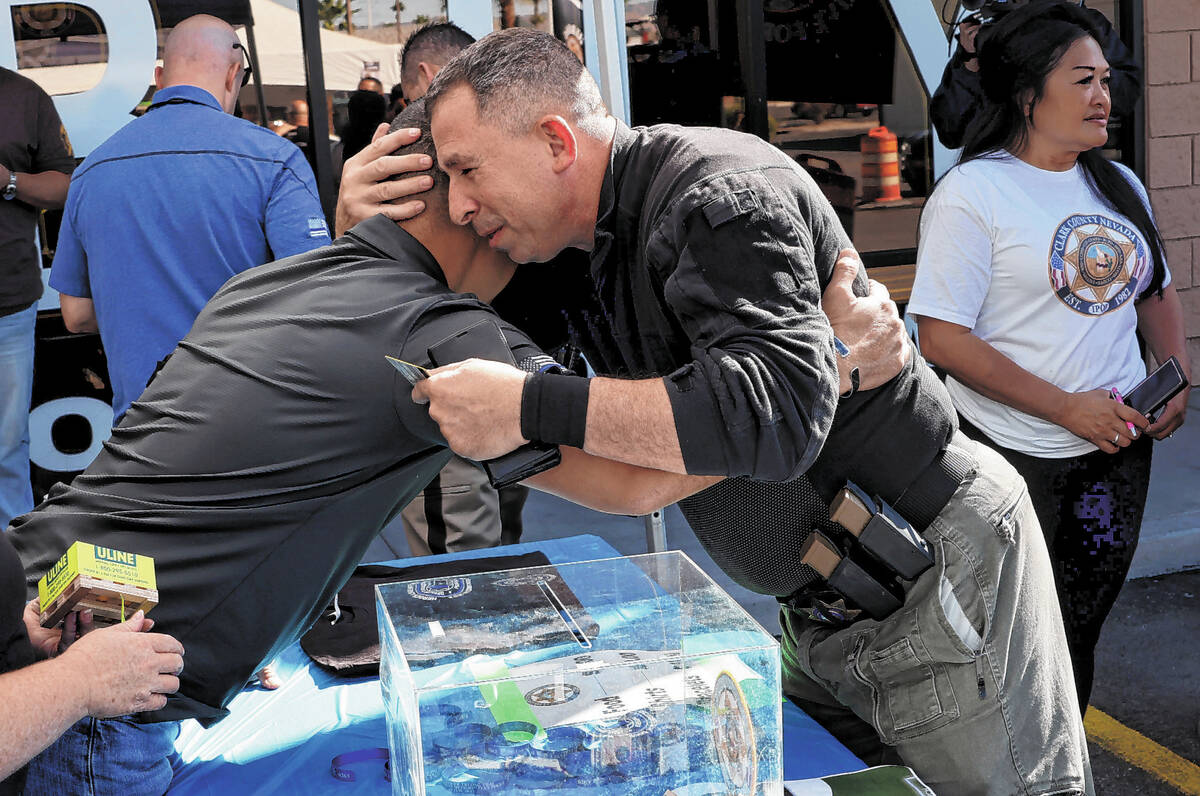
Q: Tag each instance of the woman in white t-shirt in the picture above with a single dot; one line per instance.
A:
(1038, 264)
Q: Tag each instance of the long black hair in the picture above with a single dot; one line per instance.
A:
(1016, 54)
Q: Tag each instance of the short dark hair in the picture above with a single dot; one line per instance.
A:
(436, 43)
(519, 74)
(414, 115)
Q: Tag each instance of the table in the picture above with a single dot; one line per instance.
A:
(283, 741)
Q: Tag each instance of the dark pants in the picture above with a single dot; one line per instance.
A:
(1090, 508)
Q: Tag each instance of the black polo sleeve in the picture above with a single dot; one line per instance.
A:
(758, 399)
(440, 320)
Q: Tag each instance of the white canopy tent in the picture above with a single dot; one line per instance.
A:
(346, 58)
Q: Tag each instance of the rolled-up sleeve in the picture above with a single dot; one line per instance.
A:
(759, 396)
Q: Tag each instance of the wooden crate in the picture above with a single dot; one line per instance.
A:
(107, 600)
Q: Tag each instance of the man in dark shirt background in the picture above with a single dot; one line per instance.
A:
(426, 51)
(371, 84)
(707, 252)
(35, 164)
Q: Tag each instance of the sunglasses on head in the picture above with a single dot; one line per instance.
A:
(246, 70)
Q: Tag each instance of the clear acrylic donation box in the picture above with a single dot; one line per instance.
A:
(618, 676)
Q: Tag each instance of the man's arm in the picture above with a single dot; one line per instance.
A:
(294, 221)
(69, 275)
(79, 314)
(614, 487)
(46, 183)
(46, 189)
(477, 405)
(954, 103)
(109, 672)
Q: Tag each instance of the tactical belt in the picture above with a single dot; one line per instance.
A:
(925, 497)
(884, 546)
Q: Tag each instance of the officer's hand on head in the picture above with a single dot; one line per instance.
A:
(366, 189)
(123, 669)
(870, 326)
(477, 405)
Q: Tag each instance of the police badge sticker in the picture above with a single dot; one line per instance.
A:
(733, 736)
(440, 588)
(1097, 264)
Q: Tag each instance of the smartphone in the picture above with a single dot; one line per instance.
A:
(1153, 392)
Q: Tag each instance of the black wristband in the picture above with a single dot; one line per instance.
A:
(554, 409)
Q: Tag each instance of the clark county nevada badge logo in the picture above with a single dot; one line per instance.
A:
(1096, 264)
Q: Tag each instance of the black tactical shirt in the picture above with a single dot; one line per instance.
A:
(268, 452)
(711, 254)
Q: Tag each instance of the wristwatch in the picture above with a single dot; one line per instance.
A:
(843, 351)
(10, 190)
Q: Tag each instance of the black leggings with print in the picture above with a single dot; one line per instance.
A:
(1090, 509)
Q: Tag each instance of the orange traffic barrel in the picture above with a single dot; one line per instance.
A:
(880, 166)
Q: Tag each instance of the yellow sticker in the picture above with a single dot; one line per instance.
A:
(96, 561)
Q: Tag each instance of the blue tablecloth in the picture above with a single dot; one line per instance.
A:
(283, 741)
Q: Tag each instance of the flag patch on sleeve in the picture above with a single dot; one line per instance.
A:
(317, 228)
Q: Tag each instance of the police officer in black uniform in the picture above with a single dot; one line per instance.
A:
(694, 264)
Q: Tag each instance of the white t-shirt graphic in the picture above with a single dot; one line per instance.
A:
(1034, 263)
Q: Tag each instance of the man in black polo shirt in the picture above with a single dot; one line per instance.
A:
(267, 454)
(697, 292)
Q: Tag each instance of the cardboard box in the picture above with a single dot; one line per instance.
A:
(112, 583)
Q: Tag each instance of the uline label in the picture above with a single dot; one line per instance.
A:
(116, 556)
(57, 569)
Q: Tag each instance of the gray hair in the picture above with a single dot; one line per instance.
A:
(519, 75)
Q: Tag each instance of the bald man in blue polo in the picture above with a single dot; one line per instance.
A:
(175, 203)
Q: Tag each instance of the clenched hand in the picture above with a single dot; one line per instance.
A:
(870, 326)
